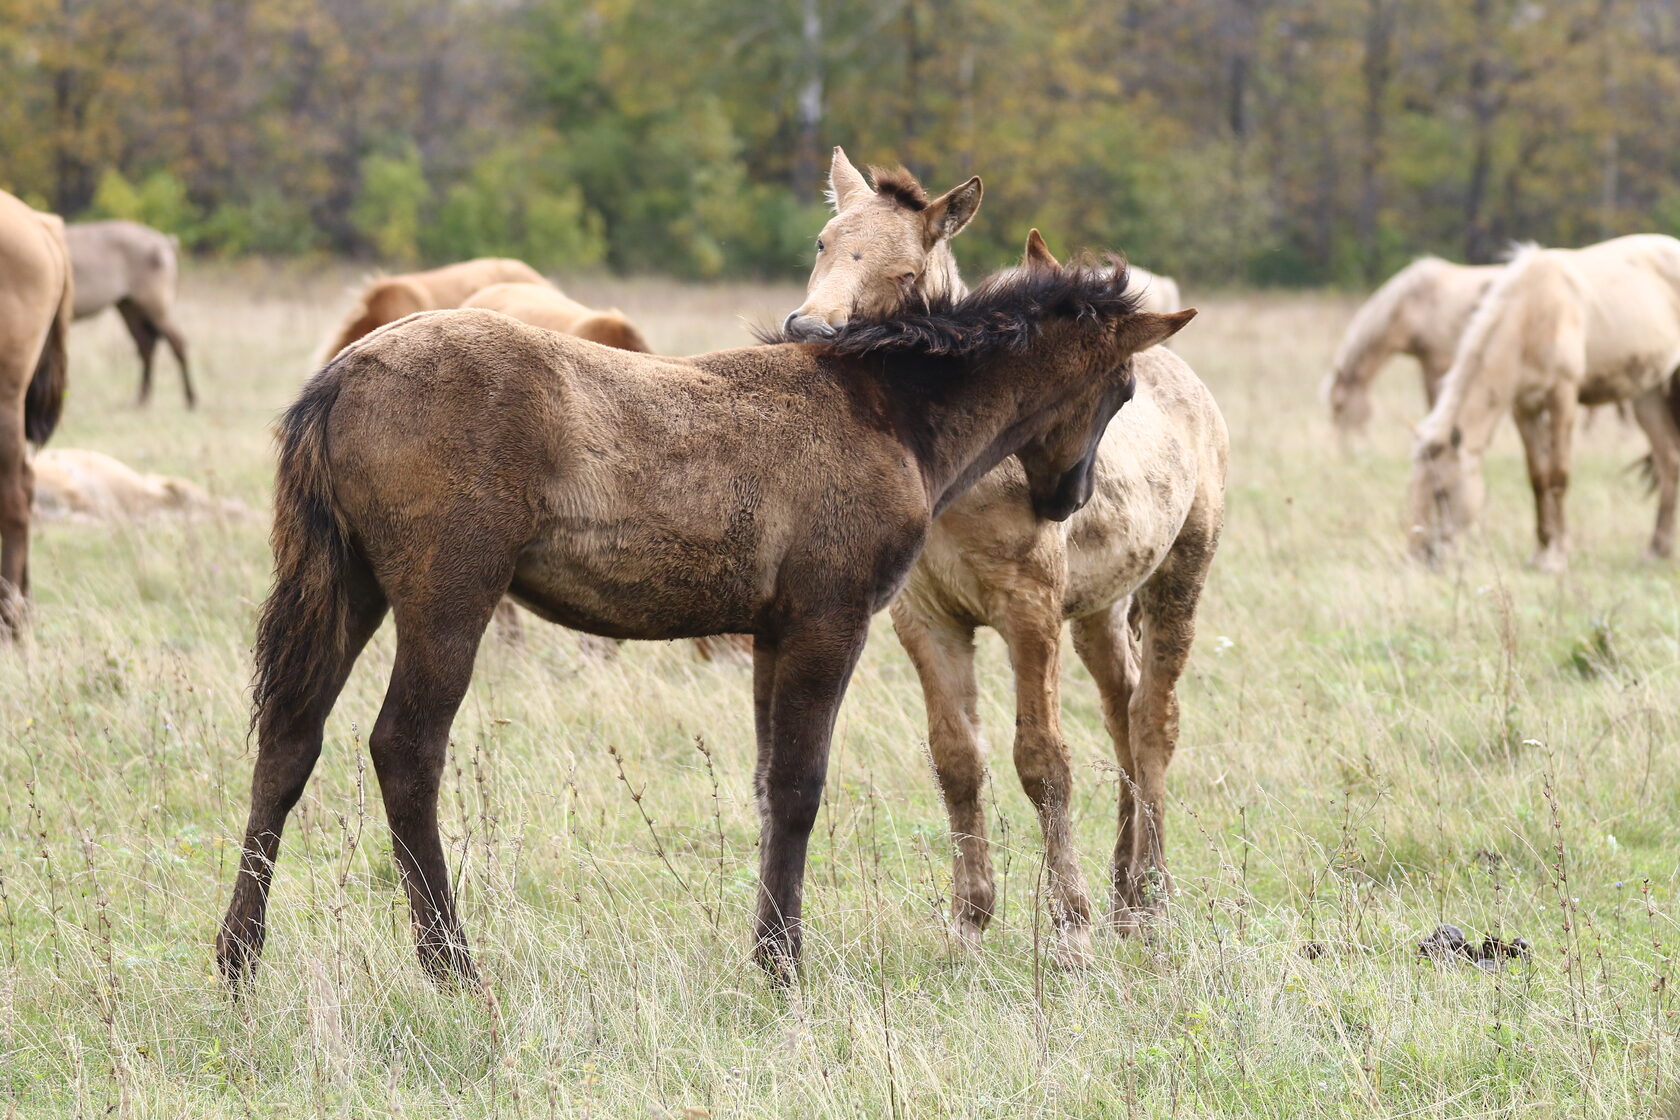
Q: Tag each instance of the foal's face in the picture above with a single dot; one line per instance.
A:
(1061, 462)
(875, 252)
(1446, 493)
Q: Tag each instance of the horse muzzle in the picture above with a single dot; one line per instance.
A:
(801, 327)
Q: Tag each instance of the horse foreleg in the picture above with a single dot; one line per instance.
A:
(942, 650)
(1031, 623)
(799, 679)
(1652, 413)
(165, 324)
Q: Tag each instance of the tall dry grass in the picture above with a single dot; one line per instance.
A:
(1368, 750)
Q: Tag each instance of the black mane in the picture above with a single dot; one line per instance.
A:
(1006, 312)
(896, 184)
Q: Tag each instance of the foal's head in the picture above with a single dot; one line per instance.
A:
(1062, 339)
(885, 243)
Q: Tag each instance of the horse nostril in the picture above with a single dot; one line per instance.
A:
(787, 324)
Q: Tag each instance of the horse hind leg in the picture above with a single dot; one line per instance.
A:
(942, 652)
(145, 334)
(1107, 643)
(1166, 616)
(16, 492)
(1655, 415)
(438, 632)
(289, 733)
(165, 325)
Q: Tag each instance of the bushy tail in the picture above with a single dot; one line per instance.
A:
(43, 403)
(302, 629)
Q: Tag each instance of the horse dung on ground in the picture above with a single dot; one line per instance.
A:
(782, 491)
(36, 303)
(131, 267)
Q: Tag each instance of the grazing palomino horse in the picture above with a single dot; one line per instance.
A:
(36, 302)
(1131, 563)
(1422, 311)
(543, 305)
(132, 267)
(389, 298)
(782, 491)
(1558, 329)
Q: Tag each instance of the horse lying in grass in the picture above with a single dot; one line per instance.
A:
(782, 491)
(389, 298)
(79, 485)
(543, 305)
(1559, 328)
(132, 267)
(36, 303)
(1421, 311)
(1126, 570)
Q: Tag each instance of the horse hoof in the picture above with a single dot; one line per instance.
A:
(966, 937)
(1072, 950)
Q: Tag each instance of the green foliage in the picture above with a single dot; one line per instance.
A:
(1223, 141)
(158, 200)
(388, 207)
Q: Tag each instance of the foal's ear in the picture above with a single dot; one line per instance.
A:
(845, 183)
(1038, 254)
(946, 215)
(1144, 329)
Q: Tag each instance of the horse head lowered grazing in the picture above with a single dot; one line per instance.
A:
(782, 491)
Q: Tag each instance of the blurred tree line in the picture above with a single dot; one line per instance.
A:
(1227, 141)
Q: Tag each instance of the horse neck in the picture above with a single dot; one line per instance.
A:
(940, 279)
(1380, 329)
(969, 418)
(1476, 394)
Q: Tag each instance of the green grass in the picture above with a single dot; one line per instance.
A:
(1368, 750)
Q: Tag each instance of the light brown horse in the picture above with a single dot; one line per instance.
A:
(543, 305)
(782, 491)
(389, 298)
(1559, 328)
(1127, 568)
(1420, 311)
(131, 267)
(36, 301)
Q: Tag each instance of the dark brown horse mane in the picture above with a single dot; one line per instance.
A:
(897, 185)
(1005, 313)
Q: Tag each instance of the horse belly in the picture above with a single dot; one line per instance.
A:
(621, 585)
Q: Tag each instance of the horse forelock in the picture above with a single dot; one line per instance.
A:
(897, 185)
(1004, 313)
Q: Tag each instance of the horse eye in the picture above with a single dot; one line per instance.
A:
(819, 245)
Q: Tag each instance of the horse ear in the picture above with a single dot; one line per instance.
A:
(946, 215)
(845, 182)
(1144, 329)
(1038, 254)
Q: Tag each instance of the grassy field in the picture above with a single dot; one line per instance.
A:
(1368, 750)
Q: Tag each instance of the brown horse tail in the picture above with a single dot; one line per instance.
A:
(43, 403)
(301, 630)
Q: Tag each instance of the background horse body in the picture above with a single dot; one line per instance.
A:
(1559, 328)
(389, 298)
(36, 303)
(543, 305)
(1141, 548)
(1422, 310)
(1155, 292)
(782, 491)
(131, 267)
